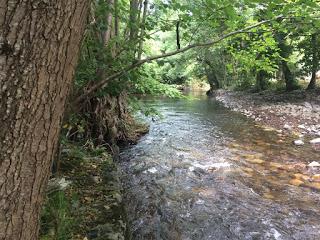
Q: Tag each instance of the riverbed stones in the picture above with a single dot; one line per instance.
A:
(285, 112)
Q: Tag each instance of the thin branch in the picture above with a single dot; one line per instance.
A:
(138, 63)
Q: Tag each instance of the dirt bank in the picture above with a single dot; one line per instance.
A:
(296, 112)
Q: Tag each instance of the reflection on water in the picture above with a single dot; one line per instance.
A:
(204, 172)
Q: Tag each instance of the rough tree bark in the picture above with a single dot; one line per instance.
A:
(39, 45)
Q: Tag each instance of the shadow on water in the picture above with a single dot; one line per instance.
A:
(204, 172)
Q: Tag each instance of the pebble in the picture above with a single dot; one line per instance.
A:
(287, 127)
(308, 105)
(316, 178)
(315, 141)
(298, 142)
(314, 164)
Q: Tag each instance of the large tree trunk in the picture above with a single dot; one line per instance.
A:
(39, 45)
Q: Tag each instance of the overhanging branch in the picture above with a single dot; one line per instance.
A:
(138, 63)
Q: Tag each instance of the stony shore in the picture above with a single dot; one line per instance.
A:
(297, 112)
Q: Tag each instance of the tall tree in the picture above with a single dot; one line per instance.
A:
(39, 45)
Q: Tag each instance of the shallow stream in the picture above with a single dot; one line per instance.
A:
(204, 172)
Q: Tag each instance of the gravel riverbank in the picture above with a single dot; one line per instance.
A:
(297, 112)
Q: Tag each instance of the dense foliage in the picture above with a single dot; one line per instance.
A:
(122, 33)
(281, 50)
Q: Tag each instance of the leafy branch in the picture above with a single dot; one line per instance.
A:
(138, 63)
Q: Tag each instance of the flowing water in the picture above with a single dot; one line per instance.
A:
(204, 172)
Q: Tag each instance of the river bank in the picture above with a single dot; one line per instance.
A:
(84, 198)
(297, 112)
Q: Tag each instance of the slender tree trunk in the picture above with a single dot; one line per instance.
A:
(288, 76)
(134, 9)
(261, 80)
(116, 18)
(39, 45)
(143, 23)
(178, 35)
(285, 52)
(108, 32)
(312, 83)
(315, 61)
(116, 28)
(139, 9)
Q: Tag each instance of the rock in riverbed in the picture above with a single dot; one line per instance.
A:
(298, 142)
(315, 141)
(314, 164)
(287, 127)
